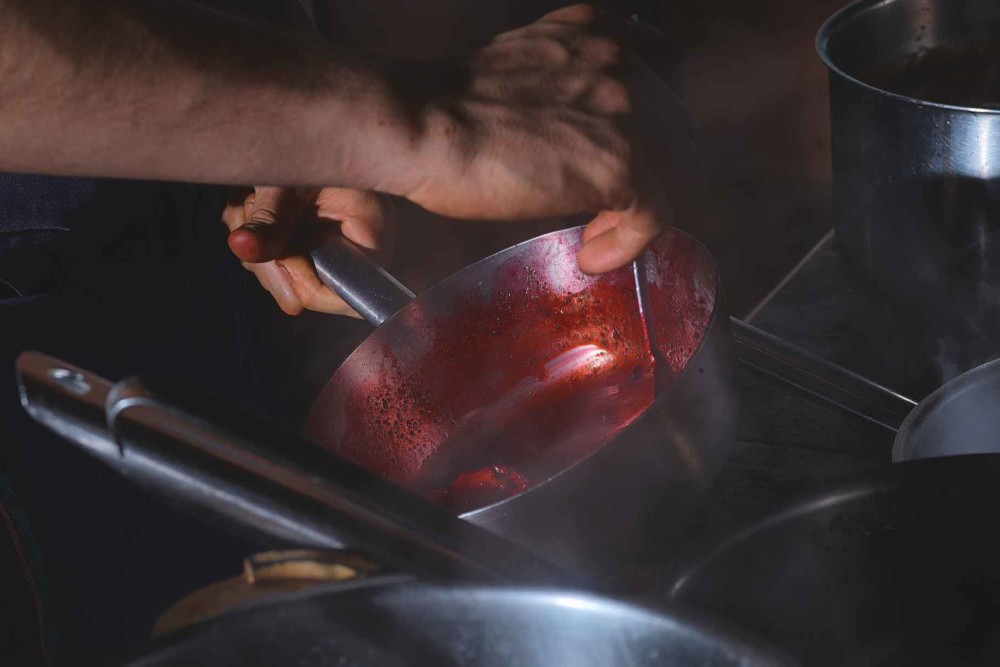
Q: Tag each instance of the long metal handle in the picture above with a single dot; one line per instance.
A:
(363, 284)
(218, 460)
(819, 378)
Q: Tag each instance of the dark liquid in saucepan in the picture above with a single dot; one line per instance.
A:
(969, 78)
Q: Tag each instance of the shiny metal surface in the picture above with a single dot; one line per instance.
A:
(73, 409)
(366, 287)
(961, 417)
(626, 503)
(220, 463)
(626, 500)
(374, 623)
(657, 466)
(898, 566)
(916, 184)
(820, 379)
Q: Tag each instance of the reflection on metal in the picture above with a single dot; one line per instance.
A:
(917, 183)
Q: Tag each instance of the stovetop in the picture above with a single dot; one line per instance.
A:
(789, 443)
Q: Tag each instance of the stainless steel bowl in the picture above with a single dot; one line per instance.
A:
(398, 623)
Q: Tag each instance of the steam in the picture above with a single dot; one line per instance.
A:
(971, 338)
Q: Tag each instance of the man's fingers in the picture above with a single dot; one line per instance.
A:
(557, 31)
(604, 221)
(524, 54)
(615, 238)
(549, 45)
(261, 230)
(279, 284)
(366, 218)
(618, 238)
(310, 293)
(271, 217)
(580, 14)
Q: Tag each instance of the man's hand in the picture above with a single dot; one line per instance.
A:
(269, 232)
(559, 118)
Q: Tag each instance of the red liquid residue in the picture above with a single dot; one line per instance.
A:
(482, 487)
(682, 307)
(524, 381)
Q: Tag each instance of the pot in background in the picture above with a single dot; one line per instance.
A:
(916, 160)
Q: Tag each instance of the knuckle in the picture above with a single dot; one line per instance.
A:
(313, 295)
(611, 96)
(570, 85)
(307, 297)
(553, 52)
(263, 213)
(601, 50)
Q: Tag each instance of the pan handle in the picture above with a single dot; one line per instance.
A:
(68, 401)
(831, 384)
(218, 461)
(359, 280)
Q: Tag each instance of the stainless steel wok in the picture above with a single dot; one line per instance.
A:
(395, 621)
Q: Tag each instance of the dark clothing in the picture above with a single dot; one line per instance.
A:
(119, 278)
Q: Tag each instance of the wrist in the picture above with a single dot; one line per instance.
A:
(409, 130)
(368, 135)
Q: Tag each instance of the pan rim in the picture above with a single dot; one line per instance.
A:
(841, 19)
(902, 444)
(492, 508)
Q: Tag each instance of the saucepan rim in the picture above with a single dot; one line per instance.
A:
(717, 305)
(840, 20)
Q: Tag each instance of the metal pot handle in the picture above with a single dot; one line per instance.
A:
(828, 382)
(219, 461)
(359, 280)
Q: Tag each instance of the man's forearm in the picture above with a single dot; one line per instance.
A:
(173, 91)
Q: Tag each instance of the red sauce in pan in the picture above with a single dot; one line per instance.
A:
(517, 386)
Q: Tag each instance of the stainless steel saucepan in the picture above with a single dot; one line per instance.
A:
(519, 363)
(522, 362)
